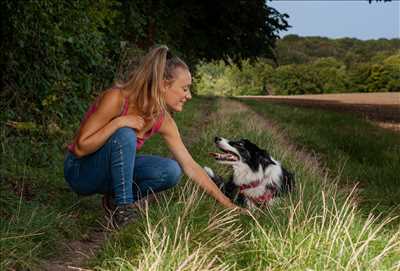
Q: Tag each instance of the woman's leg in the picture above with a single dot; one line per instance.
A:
(154, 174)
(108, 170)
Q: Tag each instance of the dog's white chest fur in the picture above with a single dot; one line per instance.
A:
(270, 176)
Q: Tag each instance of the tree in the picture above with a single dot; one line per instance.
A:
(207, 29)
(52, 52)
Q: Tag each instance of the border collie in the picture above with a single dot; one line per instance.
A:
(257, 178)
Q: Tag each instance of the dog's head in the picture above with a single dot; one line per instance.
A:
(241, 152)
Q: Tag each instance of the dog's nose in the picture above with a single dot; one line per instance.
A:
(217, 139)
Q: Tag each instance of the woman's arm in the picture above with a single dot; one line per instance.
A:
(103, 123)
(170, 133)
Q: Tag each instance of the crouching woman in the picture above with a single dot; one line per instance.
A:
(103, 156)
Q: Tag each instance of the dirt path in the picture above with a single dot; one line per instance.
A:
(383, 108)
(77, 253)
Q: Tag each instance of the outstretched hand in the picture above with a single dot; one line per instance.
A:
(245, 211)
(242, 211)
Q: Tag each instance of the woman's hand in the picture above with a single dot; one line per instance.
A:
(236, 208)
(240, 210)
(244, 211)
(131, 121)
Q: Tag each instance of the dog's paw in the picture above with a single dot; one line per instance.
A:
(209, 172)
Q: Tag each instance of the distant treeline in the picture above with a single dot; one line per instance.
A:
(307, 65)
(293, 49)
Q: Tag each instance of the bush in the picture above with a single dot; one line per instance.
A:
(55, 53)
(392, 64)
(228, 79)
(373, 77)
(296, 79)
(332, 74)
(324, 75)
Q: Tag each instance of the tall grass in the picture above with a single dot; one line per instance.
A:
(39, 214)
(318, 227)
(357, 150)
(172, 237)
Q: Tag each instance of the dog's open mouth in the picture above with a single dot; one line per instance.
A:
(225, 156)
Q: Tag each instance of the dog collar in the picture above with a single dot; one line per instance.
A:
(267, 196)
(250, 185)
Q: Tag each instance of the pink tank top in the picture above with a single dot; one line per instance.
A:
(139, 140)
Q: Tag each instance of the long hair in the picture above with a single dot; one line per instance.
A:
(145, 82)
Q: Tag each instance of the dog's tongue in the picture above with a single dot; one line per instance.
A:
(215, 154)
(223, 156)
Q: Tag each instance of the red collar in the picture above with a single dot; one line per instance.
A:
(250, 185)
(267, 196)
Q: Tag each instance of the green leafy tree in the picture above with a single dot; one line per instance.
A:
(392, 66)
(297, 79)
(208, 30)
(53, 53)
(358, 77)
(377, 79)
(331, 74)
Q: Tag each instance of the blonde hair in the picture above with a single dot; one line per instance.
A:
(145, 82)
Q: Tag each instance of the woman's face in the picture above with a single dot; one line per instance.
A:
(177, 92)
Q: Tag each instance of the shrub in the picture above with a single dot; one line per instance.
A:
(55, 53)
(227, 79)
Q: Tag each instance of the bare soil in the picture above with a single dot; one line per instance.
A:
(77, 253)
(381, 107)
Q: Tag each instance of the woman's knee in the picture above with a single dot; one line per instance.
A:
(173, 172)
(124, 136)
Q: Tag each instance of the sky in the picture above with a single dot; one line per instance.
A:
(341, 18)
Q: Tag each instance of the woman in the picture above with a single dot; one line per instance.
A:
(103, 157)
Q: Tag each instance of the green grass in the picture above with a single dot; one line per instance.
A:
(317, 227)
(351, 147)
(38, 212)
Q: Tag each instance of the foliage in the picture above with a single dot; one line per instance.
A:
(205, 30)
(317, 65)
(228, 79)
(55, 53)
(381, 76)
(293, 49)
(392, 66)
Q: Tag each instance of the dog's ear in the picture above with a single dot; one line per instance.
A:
(246, 140)
(266, 160)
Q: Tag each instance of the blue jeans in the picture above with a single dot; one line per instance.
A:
(116, 169)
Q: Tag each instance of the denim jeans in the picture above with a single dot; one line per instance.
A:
(116, 169)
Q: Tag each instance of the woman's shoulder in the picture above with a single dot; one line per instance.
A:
(167, 122)
(111, 98)
(113, 94)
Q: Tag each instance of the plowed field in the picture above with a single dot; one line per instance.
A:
(382, 107)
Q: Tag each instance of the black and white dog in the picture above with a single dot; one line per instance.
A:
(257, 178)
